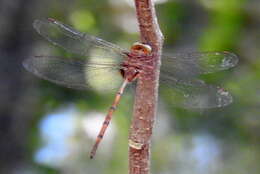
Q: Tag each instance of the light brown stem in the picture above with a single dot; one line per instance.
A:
(145, 104)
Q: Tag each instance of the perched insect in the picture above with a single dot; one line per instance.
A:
(178, 72)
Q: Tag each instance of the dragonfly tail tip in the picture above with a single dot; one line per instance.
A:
(91, 156)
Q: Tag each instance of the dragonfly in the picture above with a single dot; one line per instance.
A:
(179, 73)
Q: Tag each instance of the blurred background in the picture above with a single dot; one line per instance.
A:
(45, 128)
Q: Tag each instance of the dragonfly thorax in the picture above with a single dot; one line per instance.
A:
(140, 49)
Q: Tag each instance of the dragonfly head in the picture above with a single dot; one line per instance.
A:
(140, 48)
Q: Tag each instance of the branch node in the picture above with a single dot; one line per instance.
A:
(135, 145)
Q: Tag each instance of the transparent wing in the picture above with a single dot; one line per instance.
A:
(193, 93)
(189, 65)
(77, 42)
(75, 73)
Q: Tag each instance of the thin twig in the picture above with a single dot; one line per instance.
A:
(146, 92)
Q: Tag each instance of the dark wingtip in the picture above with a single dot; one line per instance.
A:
(92, 154)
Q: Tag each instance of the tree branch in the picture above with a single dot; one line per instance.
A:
(146, 92)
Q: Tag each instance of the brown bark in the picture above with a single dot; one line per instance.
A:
(146, 92)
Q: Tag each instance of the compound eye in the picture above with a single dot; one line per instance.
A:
(138, 48)
(146, 50)
(141, 47)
